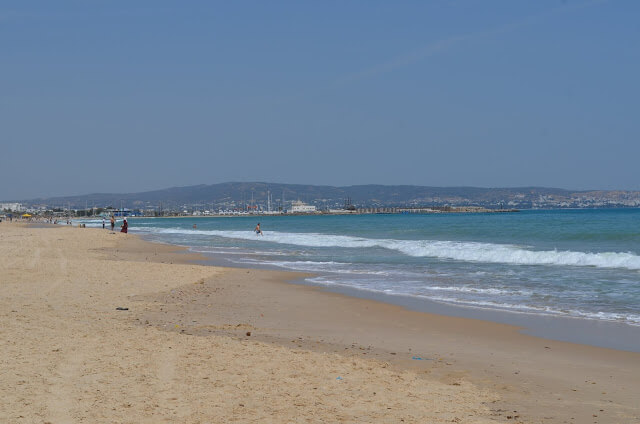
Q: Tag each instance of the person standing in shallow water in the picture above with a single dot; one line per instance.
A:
(125, 226)
(113, 222)
(258, 230)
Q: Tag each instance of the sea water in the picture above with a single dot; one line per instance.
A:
(572, 263)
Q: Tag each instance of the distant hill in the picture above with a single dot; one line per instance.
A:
(238, 194)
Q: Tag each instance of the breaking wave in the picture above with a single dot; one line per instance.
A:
(451, 250)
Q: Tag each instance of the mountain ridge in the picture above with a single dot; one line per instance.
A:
(239, 194)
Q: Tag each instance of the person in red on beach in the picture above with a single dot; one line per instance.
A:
(125, 226)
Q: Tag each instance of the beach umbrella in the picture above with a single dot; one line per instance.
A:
(26, 215)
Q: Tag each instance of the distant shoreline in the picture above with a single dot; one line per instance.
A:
(240, 195)
(366, 211)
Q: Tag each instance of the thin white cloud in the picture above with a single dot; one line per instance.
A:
(438, 46)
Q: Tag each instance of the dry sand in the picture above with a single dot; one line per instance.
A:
(200, 344)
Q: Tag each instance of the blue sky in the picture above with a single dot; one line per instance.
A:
(119, 96)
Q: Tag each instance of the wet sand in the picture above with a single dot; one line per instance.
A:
(209, 344)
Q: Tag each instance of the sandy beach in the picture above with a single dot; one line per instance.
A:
(105, 327)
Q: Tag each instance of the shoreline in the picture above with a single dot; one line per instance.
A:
(536, 297)
(502, 370)
(580, 330)
(494, 356)
(509, 335)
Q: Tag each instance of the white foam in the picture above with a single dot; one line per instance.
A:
(323, 266)
(627, 318)
(478, 290)
(631, 319)
(453, 250)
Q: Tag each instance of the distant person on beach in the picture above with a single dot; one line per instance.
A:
(103, 222)
(258, 230)
(125, 226)
(113, 222)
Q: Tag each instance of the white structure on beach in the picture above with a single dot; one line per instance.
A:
(301, 207)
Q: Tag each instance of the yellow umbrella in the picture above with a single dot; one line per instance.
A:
(26, 215)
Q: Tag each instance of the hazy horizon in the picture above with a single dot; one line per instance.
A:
(124, 97)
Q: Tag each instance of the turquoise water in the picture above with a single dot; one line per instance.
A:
(578, 263)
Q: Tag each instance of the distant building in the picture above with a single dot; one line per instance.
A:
(301, 207)
(11, 207)
(122, 212)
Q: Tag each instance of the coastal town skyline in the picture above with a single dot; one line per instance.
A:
(260, 198)
(129, 97)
